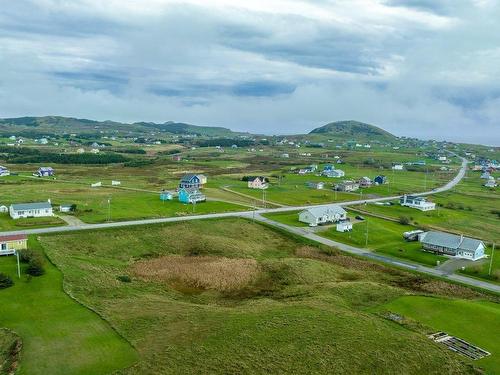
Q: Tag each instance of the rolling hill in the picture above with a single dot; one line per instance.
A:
(353, 130)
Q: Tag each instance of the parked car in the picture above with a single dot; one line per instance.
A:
(359, 217)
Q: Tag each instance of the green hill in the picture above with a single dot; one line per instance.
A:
(60, 124)
(353, 130)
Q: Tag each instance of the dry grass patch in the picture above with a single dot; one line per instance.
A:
(203, 272)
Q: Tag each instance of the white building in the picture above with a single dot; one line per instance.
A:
(322, 215)
(420, 203)
(257, 182)
(4, 171)
(452, 244)
(344, 226)
(25, 210)
(398, 167)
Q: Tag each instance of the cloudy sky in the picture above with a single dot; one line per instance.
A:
(425, 68)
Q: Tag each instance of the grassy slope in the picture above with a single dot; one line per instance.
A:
(476, 322)
(59, 335)
(302, 316)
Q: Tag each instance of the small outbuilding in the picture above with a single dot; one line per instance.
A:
(344, 226)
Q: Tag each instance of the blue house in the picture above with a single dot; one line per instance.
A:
(328, 167)
(192, 181)
(166, 196)
(191, 195)
(380, 180)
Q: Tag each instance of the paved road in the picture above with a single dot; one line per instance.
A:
(257, 215)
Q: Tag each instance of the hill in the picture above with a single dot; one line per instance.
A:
(353, 130)
(59, 124)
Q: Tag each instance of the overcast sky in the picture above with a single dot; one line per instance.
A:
(425, 68)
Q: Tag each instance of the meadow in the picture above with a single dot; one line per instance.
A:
(59, 336)
(291, 307)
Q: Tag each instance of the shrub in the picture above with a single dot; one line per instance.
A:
(405, 220)
(124, 278)
(25, 256)
(5, 281)
(35, 267)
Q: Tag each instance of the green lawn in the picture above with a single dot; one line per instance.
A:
(297, 315)
(384, 237)
(473, 321)
(288, 218)
(59, 335)
(7, 223)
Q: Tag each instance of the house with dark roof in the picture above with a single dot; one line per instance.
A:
(452, 244)
(26, 210)
(193, 181)
(44, 172)
(11, 243)
(380, 180)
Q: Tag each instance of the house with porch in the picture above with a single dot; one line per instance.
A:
(420, 203)
(9, 244)
(452, 244)
(347, 186)
(191, 195)
(257, 182)
(321, 215)
(193, 181)
(26, 210)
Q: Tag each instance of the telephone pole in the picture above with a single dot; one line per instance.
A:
(491, 259)
(366, 234)
(109, 209)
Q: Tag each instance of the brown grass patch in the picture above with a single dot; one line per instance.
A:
(202, 272)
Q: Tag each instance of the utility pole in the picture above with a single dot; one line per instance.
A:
(109, 209)
(254, 209)
(491, 259)
(366, 234)
(18, 265)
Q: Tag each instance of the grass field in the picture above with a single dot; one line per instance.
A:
(59, 335)
(299, 311)
(7, 223)
(476, 322)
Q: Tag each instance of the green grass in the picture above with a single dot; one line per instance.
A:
(384, 237)
(59, 335)
(300, 315)
(473, 321)
(7, 223)
(288, 218)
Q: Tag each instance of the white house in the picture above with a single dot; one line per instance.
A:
(25, 210)
(96, 184)
(420, 203)
(66, 207)
(4, 209)
(344, 226)
(333, 173)
(4, 171)
(257, 182)
(491, 183)
(115, 183)
(322, 215)
(398, 167)
(452, 244)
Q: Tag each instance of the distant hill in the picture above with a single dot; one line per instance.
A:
(353, 130)
(60, 124)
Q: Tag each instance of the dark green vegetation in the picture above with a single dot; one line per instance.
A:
(284, 306)
(56, 124)
(476, 322)
(59, 335)
(353, 130)
(10, 348)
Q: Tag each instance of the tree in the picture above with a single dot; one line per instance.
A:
(35, 267)
(405, 220)
(5, 281)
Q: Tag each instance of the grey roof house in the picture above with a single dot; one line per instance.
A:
(25, 210)
(452, 244)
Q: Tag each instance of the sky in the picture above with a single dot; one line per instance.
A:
(419, 68)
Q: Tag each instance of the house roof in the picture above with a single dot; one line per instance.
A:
(13, 237)
(451, 241)
(191, 191)
(325, 210)
(253, 178)
(31, 206)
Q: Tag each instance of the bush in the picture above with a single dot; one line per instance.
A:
(35, 267)
(5, 281)
(405, 220)
(124, 278)
(25, 256)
